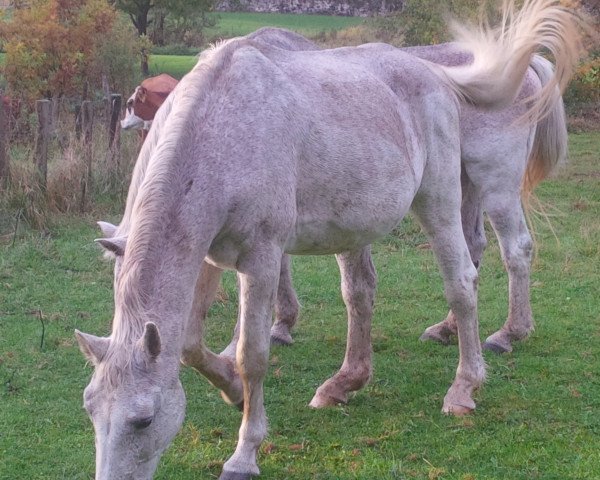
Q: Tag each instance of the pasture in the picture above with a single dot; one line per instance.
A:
(233, 24)
(175, 65)
(537, 415)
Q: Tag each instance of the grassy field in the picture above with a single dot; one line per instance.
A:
(175, 65)
(235, 24)
(231, 24)
(537, 415)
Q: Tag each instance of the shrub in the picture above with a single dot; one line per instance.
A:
(585, 84)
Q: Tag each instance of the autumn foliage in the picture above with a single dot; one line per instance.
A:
(51, 46)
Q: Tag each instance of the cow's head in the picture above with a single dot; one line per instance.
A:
(145, 101)
(135, 111)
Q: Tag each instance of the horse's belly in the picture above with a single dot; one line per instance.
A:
(326, 234)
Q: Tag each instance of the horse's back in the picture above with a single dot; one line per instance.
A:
(338, 138)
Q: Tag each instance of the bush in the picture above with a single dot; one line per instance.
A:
(118, 57)
(585, 84)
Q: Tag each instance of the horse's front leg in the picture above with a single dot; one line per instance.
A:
(219, 370)
(359, 281)
(286, 311)
(258, 277)
(473, 229)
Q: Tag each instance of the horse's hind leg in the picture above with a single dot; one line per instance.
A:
(438, 212)
(218, 369)
(507, 218)
(473, 229)
(286, 312)
(358, 290)
(286, 307)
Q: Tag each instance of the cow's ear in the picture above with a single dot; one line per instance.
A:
(142, 94)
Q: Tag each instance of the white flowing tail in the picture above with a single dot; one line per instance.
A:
(502, 54)
(549, 147)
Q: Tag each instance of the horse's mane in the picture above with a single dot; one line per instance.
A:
(150, 193)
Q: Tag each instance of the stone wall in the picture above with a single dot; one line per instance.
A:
(362, 8)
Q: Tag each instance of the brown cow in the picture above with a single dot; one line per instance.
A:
(145, 101)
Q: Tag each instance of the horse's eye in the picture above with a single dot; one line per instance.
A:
(141, 423)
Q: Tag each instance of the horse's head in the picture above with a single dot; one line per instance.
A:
(135, 402)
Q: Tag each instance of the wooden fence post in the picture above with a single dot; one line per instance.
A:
(44, 113)
(4, 160)
(115, 113)
(78, 122)
(87, 120)
(114, 132)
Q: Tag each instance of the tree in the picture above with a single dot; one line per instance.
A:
(138, 11)
(50, 45)
(143, 13)
(187, 20)
(63, 47)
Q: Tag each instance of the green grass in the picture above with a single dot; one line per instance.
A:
(537, 415)
(175, 65)
(235, 24)
(230, 24)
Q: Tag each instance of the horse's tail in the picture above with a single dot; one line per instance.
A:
(550, 141)
(503, 54)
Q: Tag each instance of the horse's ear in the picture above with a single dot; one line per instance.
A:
(151, 340)
(108, 229)
(114, 245)
(142, 94)
(93, 348)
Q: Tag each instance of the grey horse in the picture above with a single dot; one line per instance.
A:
(262, 151)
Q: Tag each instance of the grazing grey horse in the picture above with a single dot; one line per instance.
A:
(502, 161)
(311, 152)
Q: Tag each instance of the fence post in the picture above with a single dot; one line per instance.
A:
(78, 122)
(87, 120)
(114, 132)
(115, 113)
(4, 166)
(44, 113)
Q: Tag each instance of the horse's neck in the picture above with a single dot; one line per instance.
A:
(158, 288)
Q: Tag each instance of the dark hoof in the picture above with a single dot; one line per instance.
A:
(281, 341)
(235, 476)
(240, 406)
(494, 347)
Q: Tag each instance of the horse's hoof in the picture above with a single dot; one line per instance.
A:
(240, 406)
(496, 348)
(235, 476)
(324, 401)
(280, 334)
(435, 337)
(286, 341)
(457, 410)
